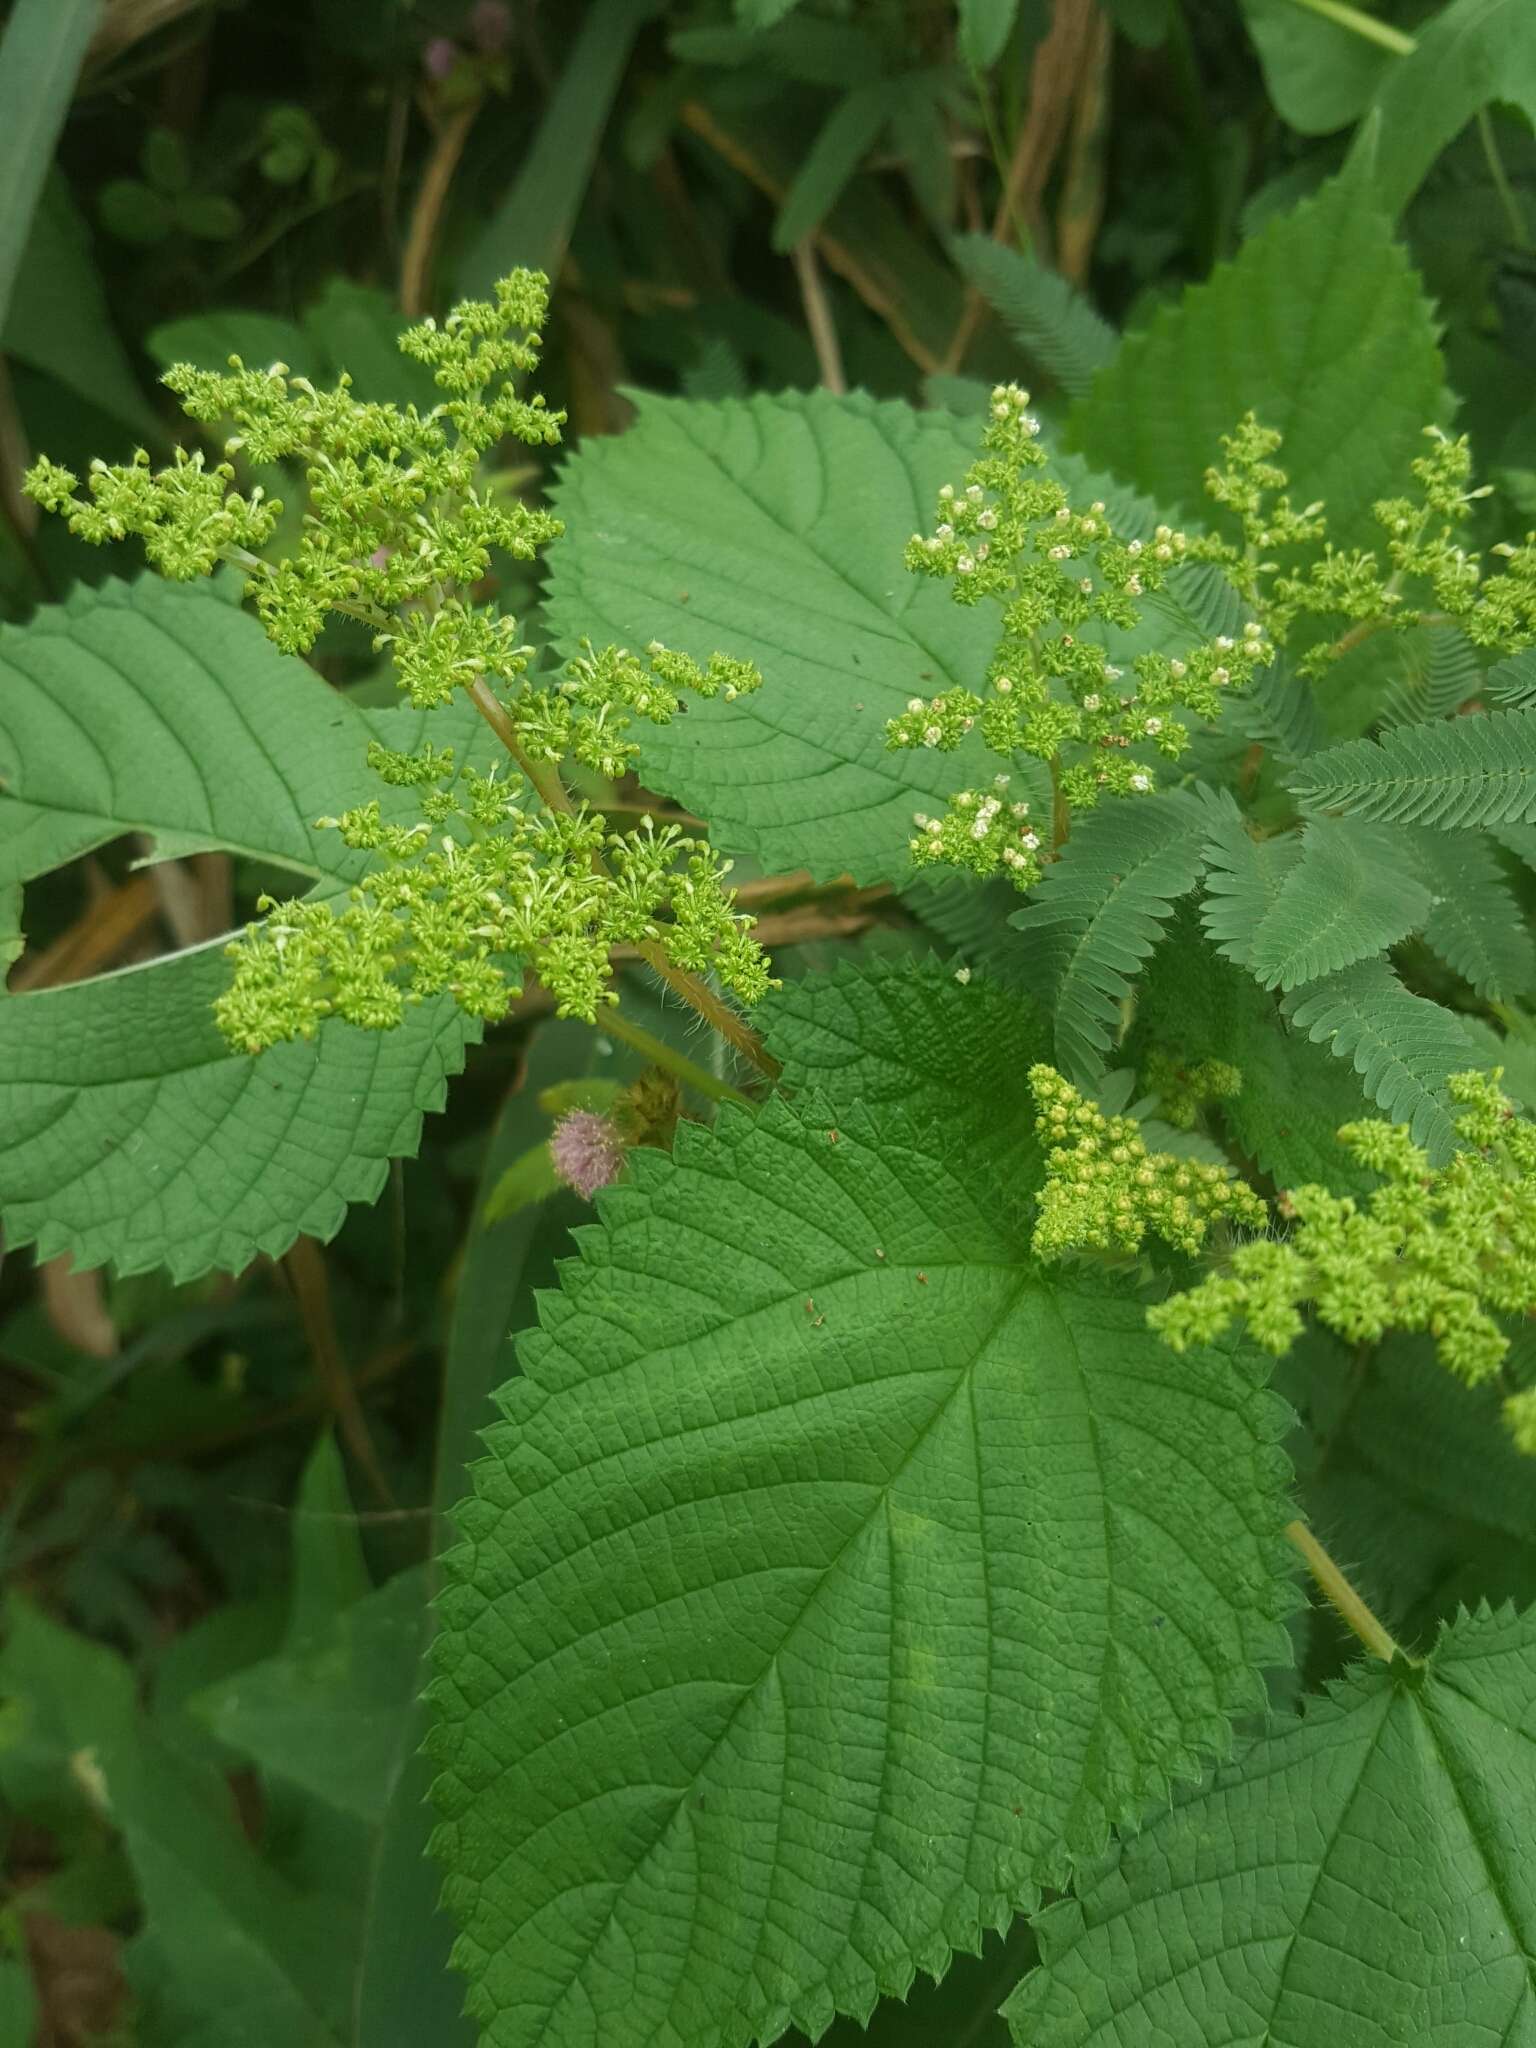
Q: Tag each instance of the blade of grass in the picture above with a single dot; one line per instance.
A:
(533, 222)
(404, 1992)
(41, 52)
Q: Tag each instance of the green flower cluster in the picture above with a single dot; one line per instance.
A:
(1104, 1191)
(400, 533)
(1441, 1250)
(1181, 1089)
(1011, 536)
(1420, 546)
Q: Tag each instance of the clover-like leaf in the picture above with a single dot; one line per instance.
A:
(1363, 1875)
(128, 1129)
(835, 1577)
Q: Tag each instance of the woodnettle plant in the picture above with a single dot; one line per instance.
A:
(892, 1527)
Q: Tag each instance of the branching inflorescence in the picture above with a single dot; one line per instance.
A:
(1443, 1250)
(499, 868)
(1009, 535)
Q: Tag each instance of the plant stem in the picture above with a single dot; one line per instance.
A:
(1382, 33)
(1519, 232)
(697, 994)
(1341, 1595)
(614, 1024)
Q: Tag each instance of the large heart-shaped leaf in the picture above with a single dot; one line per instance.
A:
(836, 1576)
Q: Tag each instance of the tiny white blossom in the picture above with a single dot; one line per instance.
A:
(1221, 675)
(965, 565)
(915, 704)
(962, 975)
(1153, 725)
(1141, 783)
(1176, 668)
(1092, 701)
(931, 735)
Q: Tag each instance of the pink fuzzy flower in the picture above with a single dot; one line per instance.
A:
(439, 57)
(587, 1151)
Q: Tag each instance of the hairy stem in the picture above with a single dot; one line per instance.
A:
(616, 1025)
(1341, 1595)
(697, 994)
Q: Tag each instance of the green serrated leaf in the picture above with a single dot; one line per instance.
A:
(1404, 1047)
(1451, 773)
(1345, 898)
(910, 1034)
(1099, 912)
(774, 530)
(1055, 325)
(813, 1605)
(1321, 327)
(128, 1130)
(1361, 1876)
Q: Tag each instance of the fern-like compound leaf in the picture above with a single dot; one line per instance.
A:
(129, 1131)
(1453, 773)
(1476, 925)
(1244, 881)
(1100, 911)
(1346, 898)
(1512, 683)
(1057, 328)
(1404, 1047)
(835, 1577)
(1363, 1875)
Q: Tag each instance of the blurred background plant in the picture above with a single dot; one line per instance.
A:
(220, 1495)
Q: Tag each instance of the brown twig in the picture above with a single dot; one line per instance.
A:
(427, 213)
(835, 253)
(1053, 80)
(304, 1269)
(99, 936)
(818, 316)
(1081, 207)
